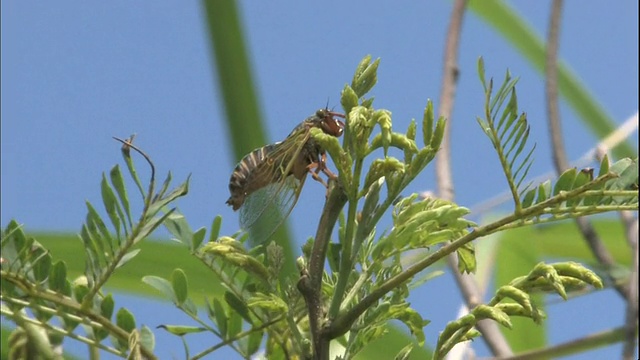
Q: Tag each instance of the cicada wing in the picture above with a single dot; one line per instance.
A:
(267, 208)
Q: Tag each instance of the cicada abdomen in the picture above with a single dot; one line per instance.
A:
(267, 182)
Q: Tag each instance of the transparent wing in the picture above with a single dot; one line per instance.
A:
(266, 209)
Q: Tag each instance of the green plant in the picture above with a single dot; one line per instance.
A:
(299, 315)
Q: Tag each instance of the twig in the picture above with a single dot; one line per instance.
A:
(551, 87)
(310, 282)
(631, 315)
(620, 134)
(591, 341)
(72, 306)
(559, 156)
(468, 286)
(560, 161)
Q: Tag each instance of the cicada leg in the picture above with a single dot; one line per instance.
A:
(316, 167)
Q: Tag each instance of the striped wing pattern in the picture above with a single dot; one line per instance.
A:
(266, 183)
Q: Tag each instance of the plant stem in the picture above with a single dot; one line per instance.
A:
(310, 283)
(346, 261)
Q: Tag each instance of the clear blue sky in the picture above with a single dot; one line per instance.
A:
(74, 74)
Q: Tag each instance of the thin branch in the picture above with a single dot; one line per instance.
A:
(236, 337)
(342, 323)
(467, 284)
(559, 155)
(447, 95)
(551, 87)
(592, 341)
(631, 315)
(27, 323)
(72, 307)
(620, 134)
(310, 282)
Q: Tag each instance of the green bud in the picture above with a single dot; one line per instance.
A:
(366, 76)
(489, 312)
(427, 123)
(348, 99)
(436, 139)
(411, 130)
(388, 167)
(515, 294)
(576, 270)
(383, 119)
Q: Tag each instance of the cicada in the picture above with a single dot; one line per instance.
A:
(266, 183)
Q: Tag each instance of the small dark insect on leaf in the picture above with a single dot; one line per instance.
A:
(270, 178)
(588, 172)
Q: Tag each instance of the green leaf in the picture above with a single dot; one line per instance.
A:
(126, 155)
(111, 206)
(544, 191)
(238, 306)
(565, 181)
(438, 134)
(215, 230)
(582, 178)
(93, 259)
(427, 123)
(348, 99)
(412, 319)
(80, 289)
(366, 76)
(481, 73)
(234, 324)
(254, 341)
(528, 198)
(181, 330)
(41, 263)
(147, 338)
(520, 34)
(95, 221)
(165, 186)
(106, 310)
(150, 226)
(604, 166)
(58, 277)
(198, 238)
(628, 175)
(179, 228)
(152, 260)
(179, 285)
(106, 306)
(159, 204)
(127, 257)
(190, 308)
(125, 320)
(161, 285)
(118, 183)
(489, 312)
(221, 318)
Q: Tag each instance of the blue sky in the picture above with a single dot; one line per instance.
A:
(74, 74)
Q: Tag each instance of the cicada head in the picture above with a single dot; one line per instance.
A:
(329, 124)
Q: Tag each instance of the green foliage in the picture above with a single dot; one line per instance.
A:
(28, 270)
(367, 286)
(514, 299)
(519, 33)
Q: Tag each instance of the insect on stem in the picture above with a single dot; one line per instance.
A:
(266, 183)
